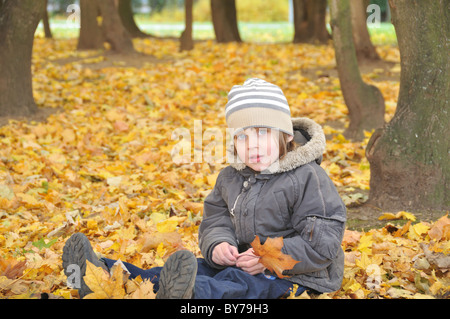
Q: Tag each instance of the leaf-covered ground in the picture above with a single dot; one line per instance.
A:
(107, 164)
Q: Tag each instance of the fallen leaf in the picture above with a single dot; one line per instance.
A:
(102, 285)
(11, 268)
(439, 260)
(440, 229)
(272, 257)
(152, 240)
(143, 291)
(351, 237)
(399, 215)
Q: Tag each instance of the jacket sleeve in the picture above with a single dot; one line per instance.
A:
(318, 219)
(216, 226)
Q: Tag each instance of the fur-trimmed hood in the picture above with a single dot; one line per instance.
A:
(310, 147)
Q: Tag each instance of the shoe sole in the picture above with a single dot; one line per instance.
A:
(177, 278)
(76, 251)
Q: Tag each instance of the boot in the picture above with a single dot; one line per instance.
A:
(177, 277)
(76, 251)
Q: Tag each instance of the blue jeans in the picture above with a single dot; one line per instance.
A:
(229, 283)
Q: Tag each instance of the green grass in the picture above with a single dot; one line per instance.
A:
(271, 32)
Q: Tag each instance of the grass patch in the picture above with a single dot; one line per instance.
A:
(269, 32)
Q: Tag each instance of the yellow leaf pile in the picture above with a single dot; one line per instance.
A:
(111, 162)
(411, 261)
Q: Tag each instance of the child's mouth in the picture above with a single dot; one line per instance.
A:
(255, 159)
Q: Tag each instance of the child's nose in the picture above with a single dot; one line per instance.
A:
(252, 140)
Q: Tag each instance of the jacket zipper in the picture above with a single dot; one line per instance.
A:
(233, 216)
(312, 228)
(234, 205)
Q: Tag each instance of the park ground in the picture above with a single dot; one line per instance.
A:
(99, 158)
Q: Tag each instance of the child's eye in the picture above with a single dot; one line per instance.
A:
(262, 131)
(241, 137)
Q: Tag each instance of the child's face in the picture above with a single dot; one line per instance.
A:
(258, 148)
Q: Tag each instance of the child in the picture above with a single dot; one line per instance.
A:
(274, 187)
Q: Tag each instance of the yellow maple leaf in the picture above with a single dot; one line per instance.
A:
(272, 257)
(364, 261)
(416, 231)
(365, 244)
(399, 215)
(167, 226)
(143, 291)
(102, 285)
(211, 179)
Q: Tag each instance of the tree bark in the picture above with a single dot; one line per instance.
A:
(309, 21)
(186, 42)
(224, 18)
(113, 29)
(363, 45)
(18, 23)
(127, 17)
(47, 30)
(409, 157)
(91, 37)
(364, 102)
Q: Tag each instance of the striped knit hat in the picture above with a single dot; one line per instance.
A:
(258, 103)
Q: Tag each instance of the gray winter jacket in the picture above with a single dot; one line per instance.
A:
(294, 199)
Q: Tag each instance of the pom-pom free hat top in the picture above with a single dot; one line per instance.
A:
(258, 103)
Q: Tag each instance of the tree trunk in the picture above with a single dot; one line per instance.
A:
(309, 21)
(409, 157)
(127, 18)
(300, 21)
(224, 18)
(18, 23)
(91, 37)
(113, 29)
(47, 30)
(364, 102)
(364, 47)
(186, 42)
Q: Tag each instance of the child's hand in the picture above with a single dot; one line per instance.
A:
(225, 254)
(249, 262)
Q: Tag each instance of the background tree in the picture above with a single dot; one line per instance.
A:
(309, 21)
(186, 42)
(224, 19)
(365, 102)
(127, 17)
(363, 45)
(111, 29)
(45, 22)
(409, 157)
(18, 23)
(91, 37)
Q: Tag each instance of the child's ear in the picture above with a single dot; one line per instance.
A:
(290, 138)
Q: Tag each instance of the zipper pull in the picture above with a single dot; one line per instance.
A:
(312, 228)
(234, 206)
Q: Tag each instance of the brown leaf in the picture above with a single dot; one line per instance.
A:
(437, 259)
(440, 229)
(351, 237)
(12, 268)
(152, 240)
(272, 257)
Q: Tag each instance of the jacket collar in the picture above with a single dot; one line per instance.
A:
(302, 154)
